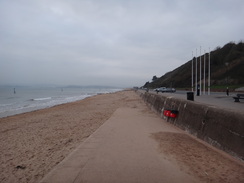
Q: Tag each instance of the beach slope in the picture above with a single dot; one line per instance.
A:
(31, 144)
(132, 144)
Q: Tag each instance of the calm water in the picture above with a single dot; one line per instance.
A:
(26, 99)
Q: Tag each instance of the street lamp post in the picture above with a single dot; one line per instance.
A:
(200, 73)
(192, 72)
(196, 73)
(209, 73)
(204, 75)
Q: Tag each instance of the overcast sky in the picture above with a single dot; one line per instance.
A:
(109, 42)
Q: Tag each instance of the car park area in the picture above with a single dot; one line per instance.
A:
(164, 89)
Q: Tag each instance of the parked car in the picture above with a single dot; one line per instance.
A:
(146, 89)
(164, 89)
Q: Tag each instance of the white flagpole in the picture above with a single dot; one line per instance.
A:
(192, 73)
(200, 74)
(204, 75)
(196, 73)
(209, 73)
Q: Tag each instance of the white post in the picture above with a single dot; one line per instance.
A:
(192, 73)
(209, 73)
(204, 75)
(196, 73)
(200, 74)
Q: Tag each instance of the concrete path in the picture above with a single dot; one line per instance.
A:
(215, 99)
(122, 150)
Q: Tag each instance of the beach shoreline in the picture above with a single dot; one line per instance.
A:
(29, 99)
(32, 143)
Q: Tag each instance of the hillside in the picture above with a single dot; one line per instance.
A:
(227, 69)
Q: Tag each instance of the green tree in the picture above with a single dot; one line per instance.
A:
(154, 78)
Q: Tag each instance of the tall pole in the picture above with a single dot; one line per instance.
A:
(200, 74)
(209, 73)
(204, 75)
(192, 73)
(196, 73)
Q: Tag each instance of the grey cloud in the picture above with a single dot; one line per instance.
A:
(105, 41)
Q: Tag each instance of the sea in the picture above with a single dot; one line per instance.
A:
(16, 100)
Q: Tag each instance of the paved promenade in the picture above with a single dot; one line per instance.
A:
(123, 150)
(215, 99)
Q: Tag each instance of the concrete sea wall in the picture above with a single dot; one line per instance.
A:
(219, 127)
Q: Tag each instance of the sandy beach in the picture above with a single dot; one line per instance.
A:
(33, 143)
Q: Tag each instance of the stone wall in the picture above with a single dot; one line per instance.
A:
(219, 127)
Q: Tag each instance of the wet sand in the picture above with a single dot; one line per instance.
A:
(199, 159)
(31, 144)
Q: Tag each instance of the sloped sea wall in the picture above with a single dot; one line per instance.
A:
(219, 127)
